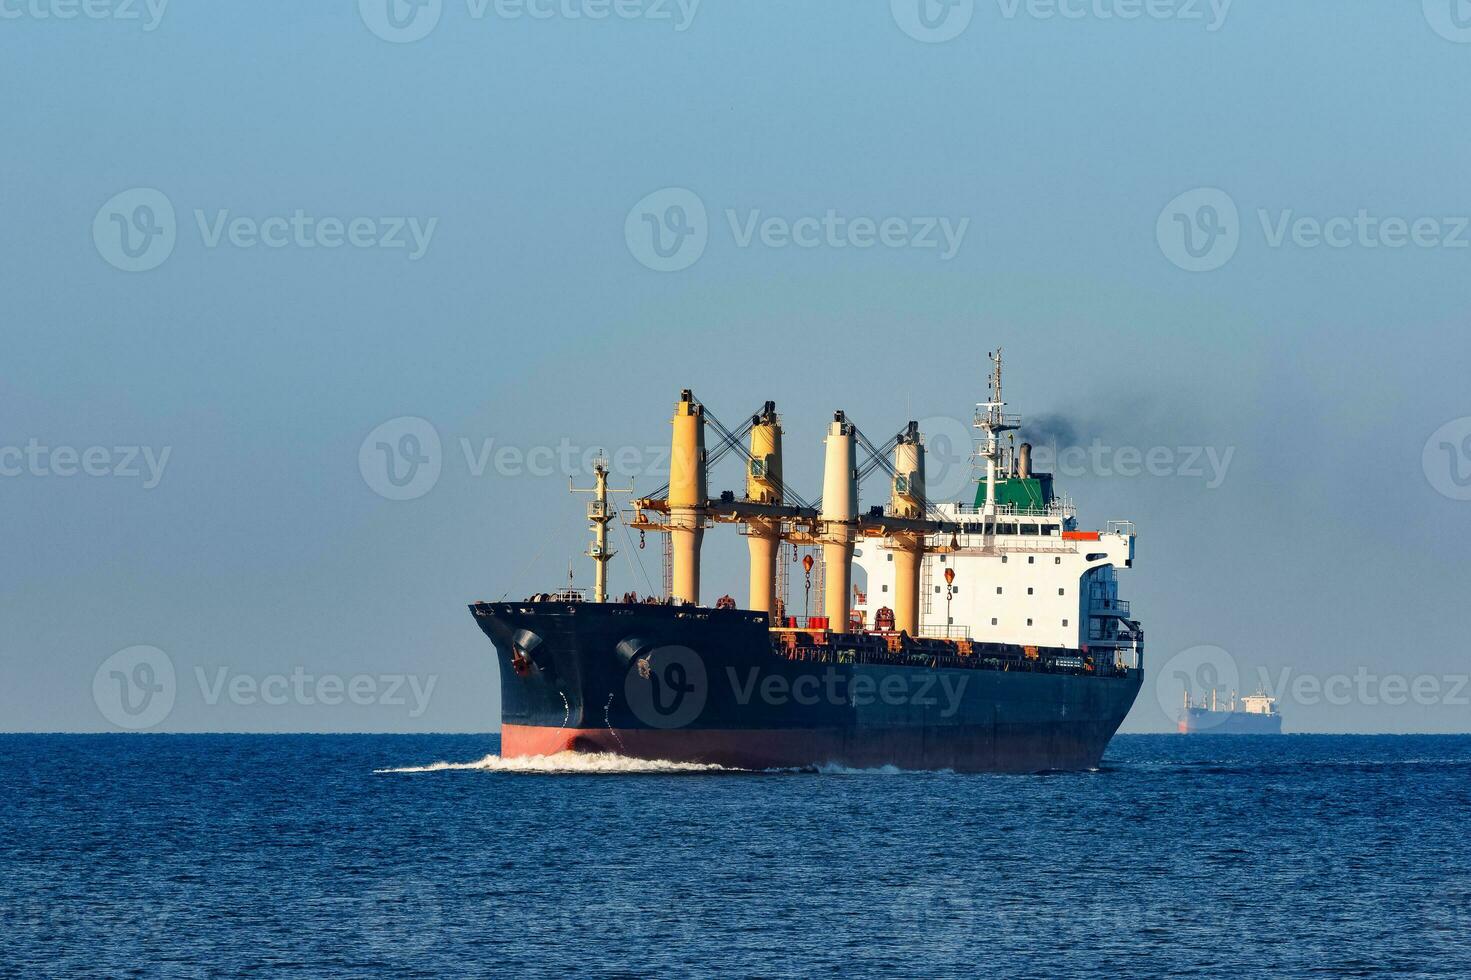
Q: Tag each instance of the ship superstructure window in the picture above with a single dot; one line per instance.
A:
(1029, 590)
(1061, 591)
(993, 620)
(1003, 559)
(1064, 622)
(1031, 559)
(1029, 622)
(998, 590)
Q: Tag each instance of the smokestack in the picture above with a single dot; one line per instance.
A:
(764, 486)
(907, 500)
(687, 496)
(839, 508)
(1024, 461)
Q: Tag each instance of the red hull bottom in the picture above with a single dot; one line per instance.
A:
(1018, 749)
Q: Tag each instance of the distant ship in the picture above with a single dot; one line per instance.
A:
(1255, 714)
(979, 635)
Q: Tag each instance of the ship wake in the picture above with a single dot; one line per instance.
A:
(609, 763)
(593, 763)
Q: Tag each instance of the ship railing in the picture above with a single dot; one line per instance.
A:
(1119, 527)
(945, 632)
(1066, 664)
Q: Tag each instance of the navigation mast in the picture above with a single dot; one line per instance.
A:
(992, 421)
(598, 516)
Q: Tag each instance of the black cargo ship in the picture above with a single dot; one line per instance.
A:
(692, 684)
(1024, 659)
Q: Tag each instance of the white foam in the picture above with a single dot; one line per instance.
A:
(609, 763)
(565, 762)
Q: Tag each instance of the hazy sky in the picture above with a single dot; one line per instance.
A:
(1114, 191)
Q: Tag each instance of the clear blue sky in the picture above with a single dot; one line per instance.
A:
(529, 317)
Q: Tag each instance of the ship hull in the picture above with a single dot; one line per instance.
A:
(1200, 722)
(706, 686)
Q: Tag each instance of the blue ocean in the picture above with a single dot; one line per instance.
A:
(324, 856)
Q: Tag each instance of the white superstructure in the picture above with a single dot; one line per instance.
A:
(1022, 570)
